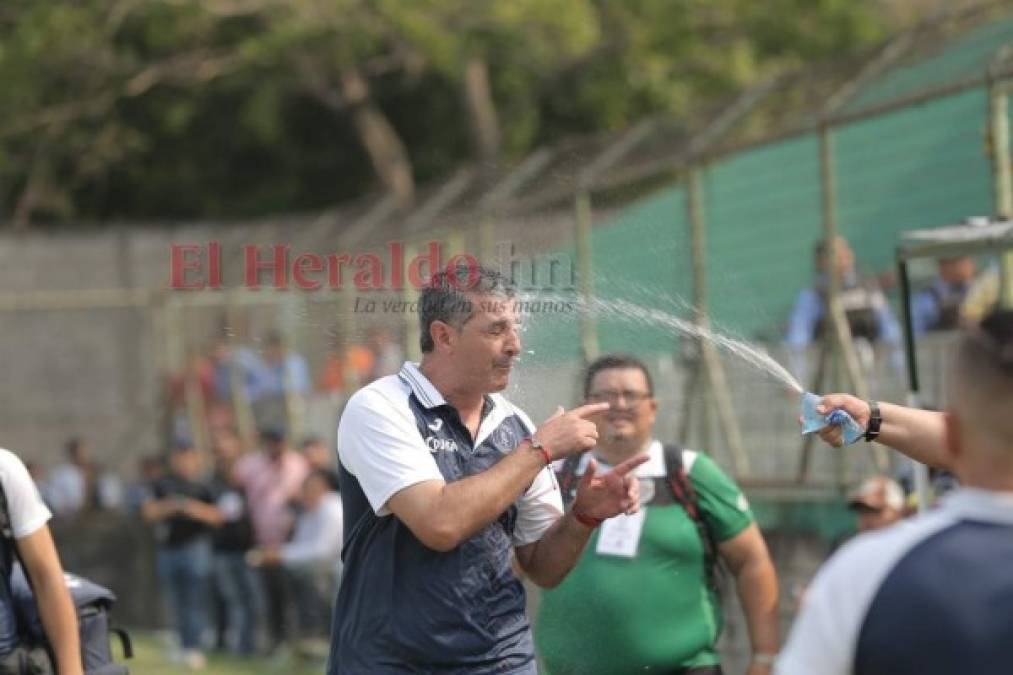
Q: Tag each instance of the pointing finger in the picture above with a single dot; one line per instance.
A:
(630, 464)
(590, 409)
(589, 472)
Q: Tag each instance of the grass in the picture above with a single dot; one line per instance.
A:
(151, 658)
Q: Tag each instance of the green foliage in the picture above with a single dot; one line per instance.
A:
(156, 109)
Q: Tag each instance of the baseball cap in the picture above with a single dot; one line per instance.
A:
(878, 492)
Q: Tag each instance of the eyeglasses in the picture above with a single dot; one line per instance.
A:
(613, 397)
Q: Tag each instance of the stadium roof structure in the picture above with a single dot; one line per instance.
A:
(966, 238)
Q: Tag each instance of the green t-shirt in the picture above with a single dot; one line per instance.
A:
(654, 612)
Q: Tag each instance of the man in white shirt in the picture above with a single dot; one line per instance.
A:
(932, 595)
(443, 480)
(28, 518)
(312, 557)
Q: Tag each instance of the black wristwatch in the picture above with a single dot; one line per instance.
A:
(875, 420)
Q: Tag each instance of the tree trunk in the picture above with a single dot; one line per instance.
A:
(386, 151)
(485, 131)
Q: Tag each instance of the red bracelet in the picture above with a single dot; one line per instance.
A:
(545, 455)
(589, 521)
(535, 445)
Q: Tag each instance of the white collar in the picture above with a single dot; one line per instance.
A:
(424, 390)
(431, 398)
(654, 467)
(968, 503)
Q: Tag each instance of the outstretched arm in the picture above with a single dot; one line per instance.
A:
(919, 434)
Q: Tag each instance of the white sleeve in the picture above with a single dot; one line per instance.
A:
(541, 504)
(825, 635)
(538, 508)
(319, 544)
(24, 504)
(380, 445)
(822, 640)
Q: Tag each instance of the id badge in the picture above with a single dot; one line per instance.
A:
(620, 536)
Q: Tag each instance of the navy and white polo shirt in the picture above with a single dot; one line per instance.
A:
(929, 596)
(403, 607)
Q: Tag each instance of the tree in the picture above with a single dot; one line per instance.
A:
(230, 108)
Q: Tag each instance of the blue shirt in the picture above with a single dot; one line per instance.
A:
(926, 306)
(291, 374)
(810, 309)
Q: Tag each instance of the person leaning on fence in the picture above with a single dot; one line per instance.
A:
(442, 480)
(644, 595)
(932, 595)
(28, 518)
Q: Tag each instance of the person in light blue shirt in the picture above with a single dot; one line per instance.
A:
(865, 307)
(937, 307)
(280, 371)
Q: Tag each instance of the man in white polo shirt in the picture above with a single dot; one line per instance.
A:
(443, 479)
(932, 595)
(26, 517)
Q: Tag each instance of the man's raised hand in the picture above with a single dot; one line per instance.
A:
(609, 494)
(566, 433)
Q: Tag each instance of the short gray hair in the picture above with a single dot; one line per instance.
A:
(447, 297)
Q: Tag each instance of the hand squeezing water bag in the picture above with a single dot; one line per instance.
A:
(814, 421)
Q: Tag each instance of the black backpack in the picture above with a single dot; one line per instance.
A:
(682, 492)
(92, 602)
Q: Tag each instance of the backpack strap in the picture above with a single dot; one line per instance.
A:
(128, 645)
(567, 478)
(684, 493)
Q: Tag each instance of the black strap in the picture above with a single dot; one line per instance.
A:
(7, 533)
(128, 646)
(684, 493)
(566, 476)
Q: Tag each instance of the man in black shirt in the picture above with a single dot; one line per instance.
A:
(234, 580)
(183, 512)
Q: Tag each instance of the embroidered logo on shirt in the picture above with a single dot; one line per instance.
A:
(436, 425)
(441, 444)
(504, 438)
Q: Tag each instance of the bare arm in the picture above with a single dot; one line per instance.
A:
(208, 514)
(756, 582)
(59, 618)
(919, 434)
(548, 560)
(156, 510)
(442, 515)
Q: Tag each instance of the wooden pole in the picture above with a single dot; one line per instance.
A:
(585, 267)
(713, 370)
(839, 330)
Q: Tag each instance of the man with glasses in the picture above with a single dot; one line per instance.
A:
(643, 596)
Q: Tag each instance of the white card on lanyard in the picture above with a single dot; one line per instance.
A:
(620, 535)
